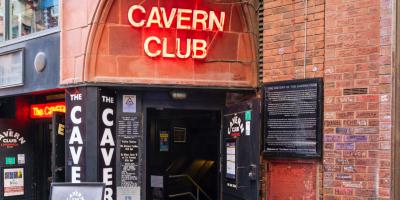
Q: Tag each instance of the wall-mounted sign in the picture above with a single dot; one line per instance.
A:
(46, 110)
(75, 135)
(10, 160)
(129, 103)
(164, 141)
(236, 125)
(179, 135)
(231, 160)
(107, 143)
(293, 118)
(177, 19)
(11, 69)
(11, 139)
(13, 179)
(21, 159)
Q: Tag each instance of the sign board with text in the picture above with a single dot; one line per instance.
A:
(293, 118)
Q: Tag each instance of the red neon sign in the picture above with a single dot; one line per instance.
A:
(179, 19)
(39, 111)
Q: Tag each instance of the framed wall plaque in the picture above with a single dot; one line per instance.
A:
(293, 118)
(179, 135)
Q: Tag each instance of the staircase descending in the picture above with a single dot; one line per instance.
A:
(191, 180)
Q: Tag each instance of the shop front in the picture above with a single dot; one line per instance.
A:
(29, 98)
(162, 100)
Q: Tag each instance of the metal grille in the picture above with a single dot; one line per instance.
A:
(355, 91)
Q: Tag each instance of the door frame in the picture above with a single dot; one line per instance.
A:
(204, 101)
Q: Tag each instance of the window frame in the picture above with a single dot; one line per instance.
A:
(7, 23)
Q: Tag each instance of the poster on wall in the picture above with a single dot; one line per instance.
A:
(231, 160)
(13, 179)
(293, 118)
(164, 141)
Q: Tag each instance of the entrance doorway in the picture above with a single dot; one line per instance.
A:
(48, 154)
(42, 162)
(183, 154)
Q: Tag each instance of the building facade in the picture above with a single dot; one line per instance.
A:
(181, 99)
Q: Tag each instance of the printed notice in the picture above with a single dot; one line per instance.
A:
(231, 160)
(13, 182)
(128, 193)
(21, 159)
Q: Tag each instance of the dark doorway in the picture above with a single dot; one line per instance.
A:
(183, 154)
(41, 132)
(49, 156)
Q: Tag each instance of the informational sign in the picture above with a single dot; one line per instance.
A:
(128, 193)
(13, 180)
(129, 161)
(164, 141)
(179, 135)
(107, 143)
(10, 139)
(10, 160)
(21, 159)
(75, 135)
(293, 118)
(39, 111)
(11, 69)
(77, 191)
(129, 124)
(129, 103)
(231, 160)
(129, 139)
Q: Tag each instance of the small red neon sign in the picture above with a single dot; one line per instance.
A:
(39, 111)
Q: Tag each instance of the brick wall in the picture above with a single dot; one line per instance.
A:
(284, 41)
(349, 44)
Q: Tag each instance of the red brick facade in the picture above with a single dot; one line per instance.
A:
(100, 45)
(349, 44)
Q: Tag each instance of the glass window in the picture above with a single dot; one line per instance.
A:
(2, 19)
(29, 16)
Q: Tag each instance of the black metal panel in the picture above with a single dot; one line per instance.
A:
(76, 135)
(107, 142)
(240, 149)
(7, 108)
(37, 81)
(293, 118)
(92, 156)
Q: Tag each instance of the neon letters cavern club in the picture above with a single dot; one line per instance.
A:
(186, 19)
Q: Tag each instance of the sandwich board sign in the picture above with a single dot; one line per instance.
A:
(77, 191)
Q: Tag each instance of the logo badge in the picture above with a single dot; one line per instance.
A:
(236, 127)
(11, 139)
(75, 196)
